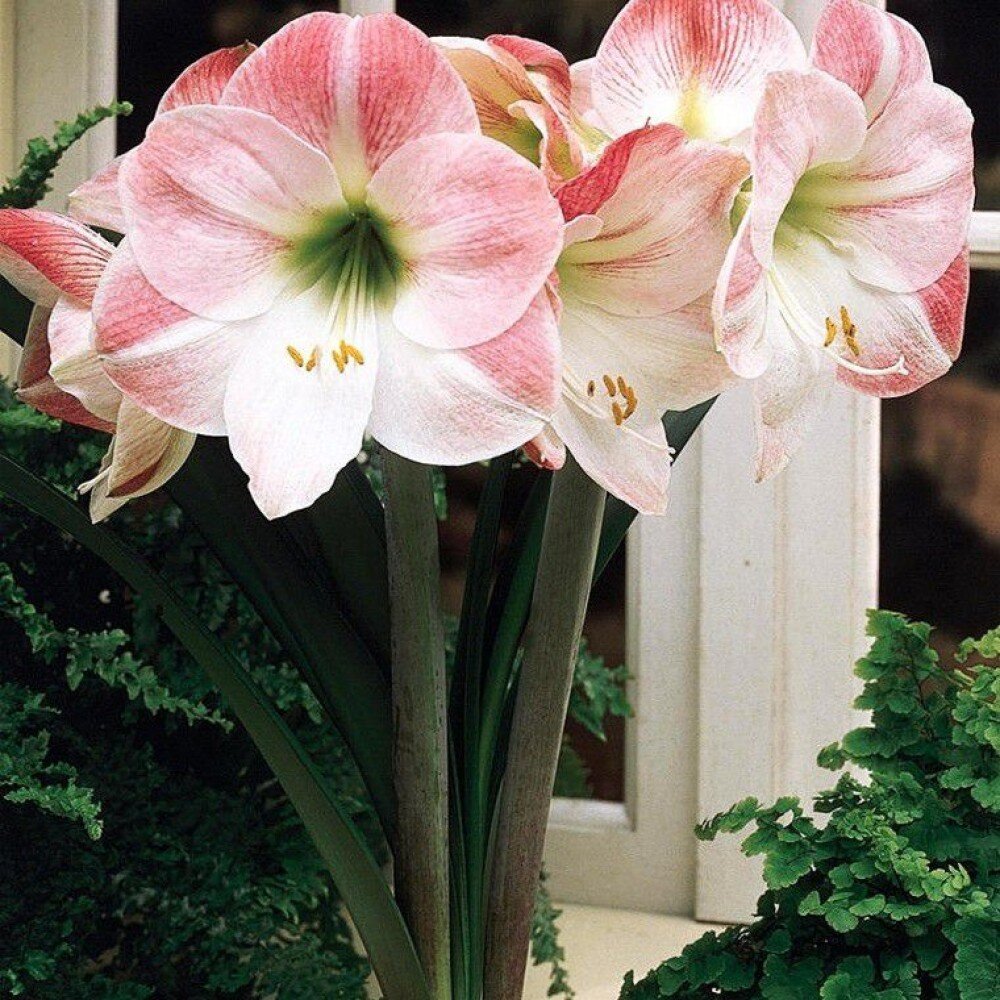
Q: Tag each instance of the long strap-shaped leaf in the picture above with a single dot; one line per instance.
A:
(342, 847)
(280, 566)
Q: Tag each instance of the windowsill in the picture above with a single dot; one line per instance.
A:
(602, 945)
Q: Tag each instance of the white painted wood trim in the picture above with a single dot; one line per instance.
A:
(984, 238)
(788, 570)
(367, 6)
(57, 58)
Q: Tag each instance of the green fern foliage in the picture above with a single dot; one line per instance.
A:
(31, 182)
(895, 895)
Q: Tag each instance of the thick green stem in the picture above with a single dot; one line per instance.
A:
(552, 636)
(419, 696)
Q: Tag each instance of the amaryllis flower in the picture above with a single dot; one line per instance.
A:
(355, 254)
(647, 230)
(851, 263)
(522, 92)
(57, 263)
(697, 64)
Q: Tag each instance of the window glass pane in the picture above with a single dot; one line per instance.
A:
(941, 446)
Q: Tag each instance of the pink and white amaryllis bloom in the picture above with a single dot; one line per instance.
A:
(697, 64)
(522, 92)
(97, 201)
(57, 263)
(850, 264)
(355, 254)
(647, 230)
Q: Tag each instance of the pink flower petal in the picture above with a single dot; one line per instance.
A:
(670, 362)
(173, 363)
(633, 464)
(546, 66)
(43, 254)
(97, 201)
(665, 205)
(144, 454)
(804, 120)
(75, 367)
(923, 329)
(213, 197)
(477, 231)
(36, 387)
(788, 402)
(292, 427)
(546, 449)
(901, 207)
(453, 407)
(740, 308)
(876, 54)
(698, 64)
(205, 79)
(501, 91)
(357, 88)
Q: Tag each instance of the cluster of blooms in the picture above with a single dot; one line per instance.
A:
(462, 247)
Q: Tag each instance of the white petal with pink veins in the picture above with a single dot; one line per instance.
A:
(75, 366)
(173, 363)
(37, 388)
(294, 414)
(43, 254)
(669, 361)
(214, 197)
(453, 407)
(698, 64)
(144, 455)
(877, 54)
(477, 233)
(901, 207)
(664, 204)
(356, 88)
(632, 463)
(805, 119)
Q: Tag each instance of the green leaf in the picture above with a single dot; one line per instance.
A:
(295, 596)
(977, 958)
(355, 871)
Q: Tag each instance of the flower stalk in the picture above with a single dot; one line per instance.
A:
(565, 571)
(419, 696)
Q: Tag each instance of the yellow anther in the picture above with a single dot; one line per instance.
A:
(623, 387)
(295, 355)
(350, 351)
(619, 414)
(831, 332)
(313, 360)
(845, 319)
(852, 341)
(609, 384)
(591, 387)
(631, 402)
(340, 362)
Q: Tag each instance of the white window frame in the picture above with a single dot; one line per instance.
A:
(745, 604)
